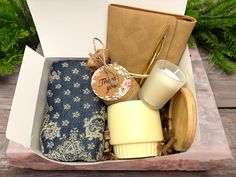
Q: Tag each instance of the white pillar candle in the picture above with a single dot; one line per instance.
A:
(164, 81)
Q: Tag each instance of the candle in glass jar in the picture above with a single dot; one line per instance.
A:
(164, 81)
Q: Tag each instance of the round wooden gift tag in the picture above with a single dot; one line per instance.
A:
(182, 111)
(111, 82)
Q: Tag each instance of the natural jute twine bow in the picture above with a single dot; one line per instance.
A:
(99, 58)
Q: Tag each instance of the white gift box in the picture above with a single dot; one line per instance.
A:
(66, 29)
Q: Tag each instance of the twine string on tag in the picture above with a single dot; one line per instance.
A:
(103, 50)
(107, 68)
(139, 76)
(94, 43)
(99, 58)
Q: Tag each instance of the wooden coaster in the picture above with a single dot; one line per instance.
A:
(183, 112)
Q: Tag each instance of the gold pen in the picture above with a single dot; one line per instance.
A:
(155, 54)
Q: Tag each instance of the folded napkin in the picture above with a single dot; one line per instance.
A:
(74, 120)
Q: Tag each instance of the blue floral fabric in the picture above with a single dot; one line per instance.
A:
(74, 119)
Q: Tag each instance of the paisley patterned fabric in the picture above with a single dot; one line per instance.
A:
(74, 119)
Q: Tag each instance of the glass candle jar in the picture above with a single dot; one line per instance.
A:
(163, 82)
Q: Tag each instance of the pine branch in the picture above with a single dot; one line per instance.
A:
(222, 62)
(191, 41)
(204, 7)
(21, 9)
(7, 15)
(5, 67)
(210, 39)
(16, 31)
(12, 39)
(230, 36)
(226, 51)
(231, 16)
(221, 6)
(216, 23)
(216, 30)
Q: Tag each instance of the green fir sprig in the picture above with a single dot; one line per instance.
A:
(16, 30)
(215, 30)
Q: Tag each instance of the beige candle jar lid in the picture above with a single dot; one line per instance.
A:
(135, 129)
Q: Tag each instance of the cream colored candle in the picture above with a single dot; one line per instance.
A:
(135, 129)
(164, 81)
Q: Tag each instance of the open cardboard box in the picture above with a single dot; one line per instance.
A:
(66, 29)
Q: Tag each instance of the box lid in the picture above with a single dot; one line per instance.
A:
(66, 27)
(19, 128)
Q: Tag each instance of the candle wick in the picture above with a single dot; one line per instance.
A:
(176, 71)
